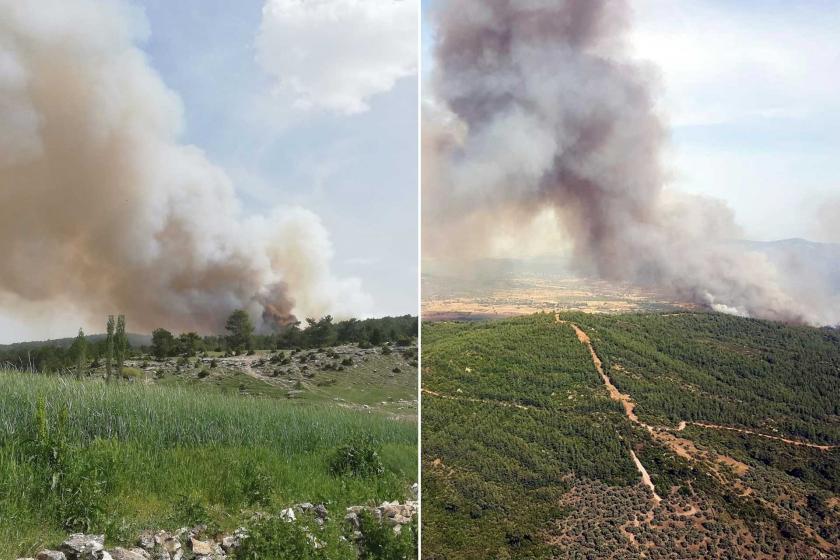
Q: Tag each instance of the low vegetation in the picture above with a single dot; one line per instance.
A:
(121, 457)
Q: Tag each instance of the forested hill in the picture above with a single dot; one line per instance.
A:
(135, 340)
(677, 435)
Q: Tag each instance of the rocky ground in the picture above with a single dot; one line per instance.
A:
(382, 379)
(198, 543)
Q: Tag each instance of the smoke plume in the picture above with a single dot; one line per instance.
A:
(536, 105)
(102, 209)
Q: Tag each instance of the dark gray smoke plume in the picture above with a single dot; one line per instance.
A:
(536, 106)
(103, 210)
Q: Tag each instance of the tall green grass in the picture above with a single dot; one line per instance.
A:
(153, 457)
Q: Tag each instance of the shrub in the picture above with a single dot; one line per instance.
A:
(380, 542)
(276, 538)
(347, 361)
(203, 373)
(359, 458)
(72, 483)
(191, 510)
(132, 373)
(386, 350)
(255, 483)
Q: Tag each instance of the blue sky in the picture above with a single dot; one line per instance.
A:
(358, 171)
(751, 92)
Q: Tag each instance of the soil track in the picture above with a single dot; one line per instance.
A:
(616, 395)
(680, 446)
(630, 406)
(758, 434)
(502, 404)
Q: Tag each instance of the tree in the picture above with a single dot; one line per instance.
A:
(120, 344)
(189, 343)
(290, 336)
(376, 337)
(109, 347)
(240, 328)
(320, 333)
(162, 343)
(79, 351)
(347, 331)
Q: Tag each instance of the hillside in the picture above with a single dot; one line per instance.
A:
(134, 340)
(681, 435)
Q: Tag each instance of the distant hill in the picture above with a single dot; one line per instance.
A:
(134, 339)
(803, 258)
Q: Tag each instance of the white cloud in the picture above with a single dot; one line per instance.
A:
(722, 62)
(335, 55)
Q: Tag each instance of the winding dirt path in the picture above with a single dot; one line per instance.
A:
(686, 448)
(616, 395)
(630, 406)
(710, 426)
(645, 476)
(502, 404)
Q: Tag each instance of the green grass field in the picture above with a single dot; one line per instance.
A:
(122, 457)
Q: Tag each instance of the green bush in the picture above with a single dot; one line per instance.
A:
(71, 484)
(132, 373)
(255, 483)
(275, 537)
(380, 542)
(357, 459)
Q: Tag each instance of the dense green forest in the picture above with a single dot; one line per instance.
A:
(756, 374)
(526, 456)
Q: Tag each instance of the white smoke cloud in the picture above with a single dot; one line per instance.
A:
(102, 209)
(541, 105)
(336, 55)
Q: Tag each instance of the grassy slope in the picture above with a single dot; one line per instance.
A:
(168, 453)
(494, 476)
(372, 382)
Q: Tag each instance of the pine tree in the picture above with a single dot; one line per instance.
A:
(109, 348)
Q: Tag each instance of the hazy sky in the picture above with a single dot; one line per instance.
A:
(302, 104)
(356, 170)
(751, 89)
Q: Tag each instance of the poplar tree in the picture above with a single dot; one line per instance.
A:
(120, 344)
(79, 349)
(109, 348)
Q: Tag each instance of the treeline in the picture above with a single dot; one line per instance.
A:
(52, 358)
(81, 356)
(240, 336)
(314, 333)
